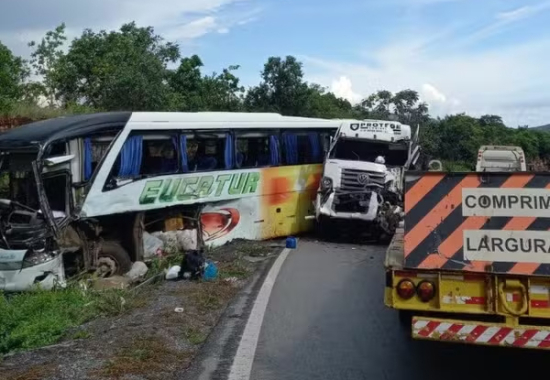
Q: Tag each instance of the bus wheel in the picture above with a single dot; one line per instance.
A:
(113, 260)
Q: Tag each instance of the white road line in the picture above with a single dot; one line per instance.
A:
(242, 363)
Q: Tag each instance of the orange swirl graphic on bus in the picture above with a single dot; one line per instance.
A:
(216, 224)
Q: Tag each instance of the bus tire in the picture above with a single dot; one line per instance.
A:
(114, 252)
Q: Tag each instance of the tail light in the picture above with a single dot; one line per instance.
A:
(425, 290)
(405, 289)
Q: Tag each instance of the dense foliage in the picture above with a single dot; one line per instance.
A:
(135, 69)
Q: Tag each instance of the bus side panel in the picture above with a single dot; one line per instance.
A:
(480, 222)
(287, 197)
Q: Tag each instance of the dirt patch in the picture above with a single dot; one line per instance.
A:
(157, 339)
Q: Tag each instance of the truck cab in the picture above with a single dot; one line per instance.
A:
(493, 158)
(363, 173)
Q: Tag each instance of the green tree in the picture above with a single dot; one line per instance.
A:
(44, 61)
(13, 71)
(223, 92)
(404, 106)
(324, 104)
(282, 89)
(125, 69)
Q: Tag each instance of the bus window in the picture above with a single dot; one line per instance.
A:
(257, 149)
(95, 148)
(207, 151)
(301, 147)
(147, 154)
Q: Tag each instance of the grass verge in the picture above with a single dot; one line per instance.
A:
(40, 318)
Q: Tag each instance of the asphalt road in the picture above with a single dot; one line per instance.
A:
(326, 320)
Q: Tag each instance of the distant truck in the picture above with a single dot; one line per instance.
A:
(494, 158)
(363, 176)
(471, 261)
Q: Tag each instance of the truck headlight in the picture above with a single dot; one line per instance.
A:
(326, 183)
(36, 257)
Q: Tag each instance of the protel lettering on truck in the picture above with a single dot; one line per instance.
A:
(472, 262)
(362, 176)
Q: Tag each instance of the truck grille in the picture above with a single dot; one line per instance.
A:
(351, 181)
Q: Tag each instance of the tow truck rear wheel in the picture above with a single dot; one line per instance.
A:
(113, 259)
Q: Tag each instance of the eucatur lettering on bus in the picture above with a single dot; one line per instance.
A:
(506, 202)
(507, 246)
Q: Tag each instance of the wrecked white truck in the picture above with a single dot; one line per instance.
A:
(79, 193)
(362, 181)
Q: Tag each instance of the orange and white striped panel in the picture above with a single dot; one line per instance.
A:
(446, 229)
(484, 334)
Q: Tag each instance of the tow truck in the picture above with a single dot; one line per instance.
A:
(470, 262)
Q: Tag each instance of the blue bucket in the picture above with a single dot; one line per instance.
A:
(291, 242)
(211, 271)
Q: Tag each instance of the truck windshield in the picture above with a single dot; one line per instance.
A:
(395, 154)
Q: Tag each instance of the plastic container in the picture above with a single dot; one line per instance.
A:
(291, 242)
(211, 271)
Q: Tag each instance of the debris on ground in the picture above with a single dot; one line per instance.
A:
(113, 282)
(149, 337)
(210, 271)
(173, 273)
(153, 246)
(137, 272)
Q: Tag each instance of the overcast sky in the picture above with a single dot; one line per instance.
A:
(461, 55)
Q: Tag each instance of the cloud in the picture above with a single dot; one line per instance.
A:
(180, 20)
(194, 29)
(342, 88)
(505, 19)
(432, 95)
(477, 82)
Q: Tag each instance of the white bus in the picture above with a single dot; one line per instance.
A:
(79, 192)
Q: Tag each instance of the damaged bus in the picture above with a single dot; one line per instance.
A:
(79, 192)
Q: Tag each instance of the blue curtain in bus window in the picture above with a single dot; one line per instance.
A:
(131, 156)
(316, 155)
(169, 165)
(273, 150)
(229, 152)
(87, 159)
(183, 154)
(290, 141)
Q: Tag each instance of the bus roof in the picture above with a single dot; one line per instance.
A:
(70, 126)
(42, 131)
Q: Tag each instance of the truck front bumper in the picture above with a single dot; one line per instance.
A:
(471, 332)
(327, 209)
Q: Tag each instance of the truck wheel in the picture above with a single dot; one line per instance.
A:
(113, 259)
